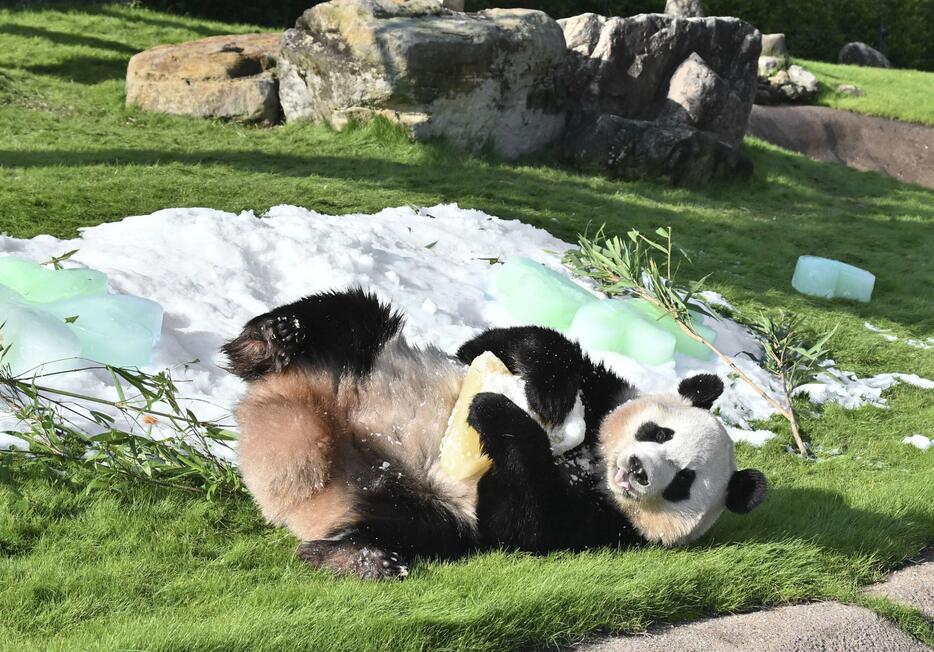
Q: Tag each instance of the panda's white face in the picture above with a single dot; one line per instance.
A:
(671, 467)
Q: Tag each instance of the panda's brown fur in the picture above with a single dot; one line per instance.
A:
(306, 442)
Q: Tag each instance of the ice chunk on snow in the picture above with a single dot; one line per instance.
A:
(115, 329)
(33, 341)
(38, 284)
(534, 294)
(613, 325)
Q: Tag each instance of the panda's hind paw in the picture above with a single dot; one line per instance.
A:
(285, 330)
(283, 335)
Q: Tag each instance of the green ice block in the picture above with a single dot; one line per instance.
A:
(684, 344)
(831, 279)
(40, 285)
(534, 294)
(8, 295)
(114, 329)
(614, 325)
(35, 338)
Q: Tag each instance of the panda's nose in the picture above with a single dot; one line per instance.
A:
(637, 471)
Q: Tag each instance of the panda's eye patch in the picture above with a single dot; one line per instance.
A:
(680, 486)
(650, 431)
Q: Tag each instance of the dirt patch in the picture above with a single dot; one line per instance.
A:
(898, 149)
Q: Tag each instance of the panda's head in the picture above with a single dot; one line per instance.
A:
(670, 463)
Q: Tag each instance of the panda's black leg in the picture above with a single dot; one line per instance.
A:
(339, 331)
(519, 499)
(551, 365)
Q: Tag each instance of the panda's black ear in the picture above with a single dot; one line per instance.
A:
(701, 390)
(746, 491)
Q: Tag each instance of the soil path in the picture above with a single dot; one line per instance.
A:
(898, 149)
(823, 626)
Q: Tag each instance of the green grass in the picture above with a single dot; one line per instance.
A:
(141, 569)
(901, 94)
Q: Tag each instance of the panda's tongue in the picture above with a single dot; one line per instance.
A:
(622, 479)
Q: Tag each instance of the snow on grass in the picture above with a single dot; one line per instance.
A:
(213, 270)
(919, 441)
(887, 334)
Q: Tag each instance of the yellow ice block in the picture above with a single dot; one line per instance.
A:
(461, 457)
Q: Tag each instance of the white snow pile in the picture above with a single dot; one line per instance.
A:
(212, 271)
(919, 441)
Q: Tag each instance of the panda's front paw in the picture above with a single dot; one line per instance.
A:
(503, 425)
(494, 413)
(552, 395)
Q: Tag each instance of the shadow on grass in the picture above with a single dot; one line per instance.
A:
(83, 69)
(825, 518)
(64, 38)
(156, 21)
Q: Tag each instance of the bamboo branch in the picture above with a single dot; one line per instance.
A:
(630, 268)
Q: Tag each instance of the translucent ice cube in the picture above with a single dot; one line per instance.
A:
(831, 279)
(115, 329)
(537, 295)
(684, 343)
(614, 325)
(35, 338)
(7, 295)
(38, 284)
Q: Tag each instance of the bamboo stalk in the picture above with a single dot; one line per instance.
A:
(788, 414)
(786, 411)
(23, 386)
(793, 420)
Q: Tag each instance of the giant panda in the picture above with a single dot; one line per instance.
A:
(342, 420)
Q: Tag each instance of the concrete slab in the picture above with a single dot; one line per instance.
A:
(820, 627)
(912, 585)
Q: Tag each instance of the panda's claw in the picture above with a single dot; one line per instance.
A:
(375, 564)
(287, 328)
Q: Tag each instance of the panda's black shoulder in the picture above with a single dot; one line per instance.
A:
(602, 391)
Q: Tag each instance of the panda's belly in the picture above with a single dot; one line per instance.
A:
(402, 407)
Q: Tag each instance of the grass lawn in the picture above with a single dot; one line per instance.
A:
(141, 569)
(901, 94)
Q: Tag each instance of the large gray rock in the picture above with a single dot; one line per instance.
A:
(638, 149)
(687, 8)
(701, 98)
(774, 55)
(792, 86)
(474, 79)
(773, 45)
(218, 77)
(624, 66)
(860, 54)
